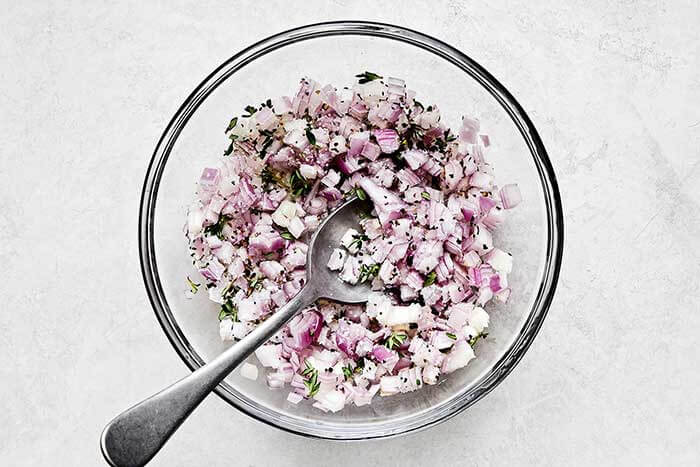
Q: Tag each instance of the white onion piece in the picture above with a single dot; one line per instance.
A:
(249, 371)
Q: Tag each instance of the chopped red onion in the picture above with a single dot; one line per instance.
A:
(387, 139)
(387, 204)
(407, 177)
(427, 247)
(510, 196)
(469, 131)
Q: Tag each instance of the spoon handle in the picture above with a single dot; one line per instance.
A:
(136, 435)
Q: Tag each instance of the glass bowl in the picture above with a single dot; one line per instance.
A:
(333, 53)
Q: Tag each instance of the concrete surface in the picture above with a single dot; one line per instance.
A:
(613, 87)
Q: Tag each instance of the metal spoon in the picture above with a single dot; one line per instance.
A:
(136, 435)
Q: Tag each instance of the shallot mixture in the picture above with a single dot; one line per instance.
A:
(426, 248)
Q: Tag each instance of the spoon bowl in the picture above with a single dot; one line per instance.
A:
(137, 434)
(324, 240)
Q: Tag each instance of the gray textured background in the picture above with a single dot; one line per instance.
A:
(613, 86)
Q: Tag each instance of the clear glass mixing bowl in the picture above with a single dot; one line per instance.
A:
(334, 53)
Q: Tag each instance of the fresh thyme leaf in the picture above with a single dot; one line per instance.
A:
(348, 372)
(413, 136)
(231, 124)
(228, 311)
(266, 144)
(367, 76)
(268, 103)
(310, 136)
(356, 191)
(474, 340)
(425, 195)
(229, 290)
(194, 287)
(440, 144)
(313, 387)
(255, 283)
(218, 228)
(308, 370)
(395, 340)
(312, 383)
(451, 336)
(368, 273)
(357, 242)
(229, 149)
(267, 176)
(251, 110)
(287, 235)
(298, 184)
(430, 279)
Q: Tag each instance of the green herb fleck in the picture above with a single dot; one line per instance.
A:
(451, 336)
(310, 136)
(229, 149)
(228, 311)
(430, 279)
(367, 76)
(356, 191)
(251, 110)
(267, 176)
(413, 136)
(193, 286)
(425, 195)
(440, 144)
(229, 290)
(395, 340)
(482, 335)
(348, 372)
(357, 242)
(218, 228)
(311, 383)
(368, 273)
(255, 283)
(266, 144)
(231, 124)
(308, 371)
(298, 184)
(287, 235)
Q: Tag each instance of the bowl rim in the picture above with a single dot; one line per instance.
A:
(552, 198)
